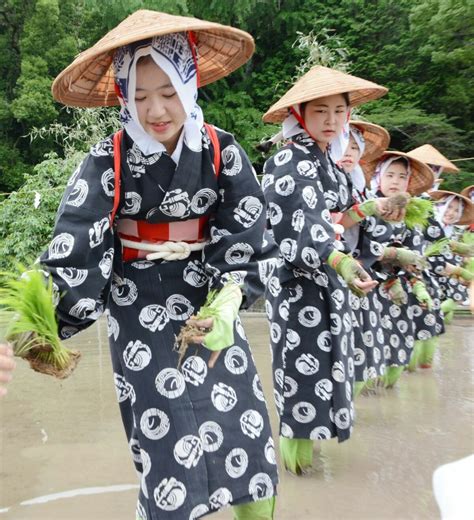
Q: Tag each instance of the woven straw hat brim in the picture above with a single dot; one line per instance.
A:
(89, 80)
(430, 155)
(321, 82)
(467, 191)
(467, 216)
(421, 179)
(376, 138)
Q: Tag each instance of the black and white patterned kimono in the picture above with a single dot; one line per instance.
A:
(366, 241)
(449, 287)
(307, 303)
(200, 438)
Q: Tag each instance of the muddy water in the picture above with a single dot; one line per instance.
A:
(63, 453)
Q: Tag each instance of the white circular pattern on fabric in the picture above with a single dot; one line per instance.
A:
(293, 339)
(220, 498)
(274, 213)
(309, 316)
(72, 276)
(275, 332)
(194, 370)
(274, 286)
(198, 511)
(295, 293)
(136, 355)
(170, 494)
(298, 220)
(231, 160)
(248, 211)
(284, 312)
(108, 182)
(307, 364)
(83, 308)
(282, 157)
(285, 185)
(194, 274)
(106, 263)
(359, 356)
(78, 194)
(175, 203)
(153, 317)
(286, 431)
(304, 412)
(125, 293)
(270, 451)
(251, 423)
(123, 389)
(239, 253)
(307, 169)
(236, 360)
(261, 486)
(338, 298)
(223, 397)
(113, 327)
(310, 197)
(236, 462)
(320, 433)
(288, 249)
(310, 257)
(290, 387)
(179, 307)
(132, 203)
(203, 200)
(188, 451)
(61, 246)
(154, 423)
(342, 418)
(324, 389)
(336, 324)
(394, 311)
(267, 180)
(170, 383)
(257, 388)
(402, 326)
(211, 436)
(368, 338)
(324, 341)
(318, 233)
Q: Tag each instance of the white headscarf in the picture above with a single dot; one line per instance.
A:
(357, 175)
(291, 126)
(441, 207)
(172, 53)
(382, 168)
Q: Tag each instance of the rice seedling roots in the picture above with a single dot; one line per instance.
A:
(35, 357)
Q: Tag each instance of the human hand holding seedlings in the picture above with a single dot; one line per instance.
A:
(7, 365)
(406, 258)
(461, 248)
(395, 291)
(421, 294)
(358, 280)
(460, 273)
(387, 208)
(213, 326)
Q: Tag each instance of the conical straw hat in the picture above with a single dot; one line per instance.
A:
(421, 178)
(320, 82)
(466, 192)
(467, 216)
(89, 80)
(376, 138)
(430, 155)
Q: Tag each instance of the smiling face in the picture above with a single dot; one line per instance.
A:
(325, 117)
(351, 156)
(395, 178)
(451, 215)
(159, 108)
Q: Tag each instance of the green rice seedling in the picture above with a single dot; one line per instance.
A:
(418, 211)
(28, 315)
(437, 248)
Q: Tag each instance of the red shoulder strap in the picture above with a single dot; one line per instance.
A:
(117, 181)
(211, 132)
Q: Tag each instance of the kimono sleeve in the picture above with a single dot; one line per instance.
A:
(239, 248)
(80, 256)
(297, 210)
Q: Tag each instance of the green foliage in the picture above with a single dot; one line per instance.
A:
(418, 211)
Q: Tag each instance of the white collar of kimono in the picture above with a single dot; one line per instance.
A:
(382, 168)
(173, 55)
(357, 175)
(440, 209)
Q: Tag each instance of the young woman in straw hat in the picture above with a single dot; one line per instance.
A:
(183, 215)
(307, 298)
(413, 318)
(452, 210)
(366, 141)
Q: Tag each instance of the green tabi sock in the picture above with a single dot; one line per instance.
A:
(415, 356)
(427, 352)
(358, 387)
(392, 375)
(296, 454)
(448, 307)
(261, 510)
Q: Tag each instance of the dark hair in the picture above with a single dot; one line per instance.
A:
(345, 95)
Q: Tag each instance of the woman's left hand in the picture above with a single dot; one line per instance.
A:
(206, 326)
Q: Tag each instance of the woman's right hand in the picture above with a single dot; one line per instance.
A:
(7, 365)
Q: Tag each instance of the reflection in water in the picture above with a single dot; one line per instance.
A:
(66, 436)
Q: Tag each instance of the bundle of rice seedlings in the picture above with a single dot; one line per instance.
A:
(418, 211)
(223, 306)
(437, 248)
(468, 237)
(29, 319)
